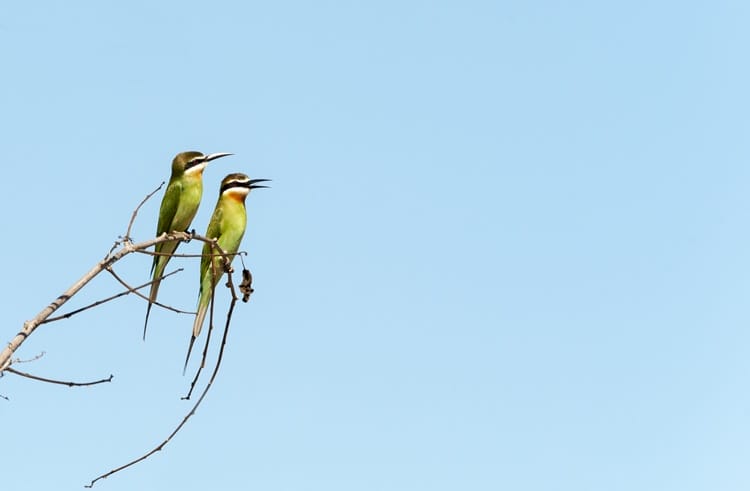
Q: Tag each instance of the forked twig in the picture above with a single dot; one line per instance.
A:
(105, 300)
(133, 290)
(192, 410)
(59, 382)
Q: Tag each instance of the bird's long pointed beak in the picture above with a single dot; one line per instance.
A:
(253, 183)
(215, 156)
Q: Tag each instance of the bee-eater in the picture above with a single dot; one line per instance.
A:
(227, 226)
(178, 208)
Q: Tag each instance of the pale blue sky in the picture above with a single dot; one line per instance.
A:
(506, 245)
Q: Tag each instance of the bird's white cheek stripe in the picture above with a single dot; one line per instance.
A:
(196, 169)
(236, 191)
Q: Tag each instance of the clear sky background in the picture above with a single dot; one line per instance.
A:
(506, 245)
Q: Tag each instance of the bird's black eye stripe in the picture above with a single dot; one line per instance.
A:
(193, 163)
(235, 184)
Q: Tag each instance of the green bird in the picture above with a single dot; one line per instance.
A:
(178, 208)
(227, 226)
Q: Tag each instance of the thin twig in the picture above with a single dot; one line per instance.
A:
(230, 285)
(35, 358)
(190, 413)
(60, 382)
(137, 208)
(105, 300)
(218, 254)
(133, 290)
(210, 328)
(121, 240)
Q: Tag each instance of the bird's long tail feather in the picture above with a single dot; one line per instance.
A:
(187, 358)
(151, 300)
(200, 317)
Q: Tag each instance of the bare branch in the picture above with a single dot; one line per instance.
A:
(60, 382)
(112, 257)
(127, 248)
(30, 326)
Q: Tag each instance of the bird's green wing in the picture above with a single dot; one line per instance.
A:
(213, 232)
(169, 207)
(167, 212)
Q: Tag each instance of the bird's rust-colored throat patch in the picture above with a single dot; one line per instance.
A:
(237, 194)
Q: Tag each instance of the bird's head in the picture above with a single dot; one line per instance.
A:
(193, 162)
(239, 185)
